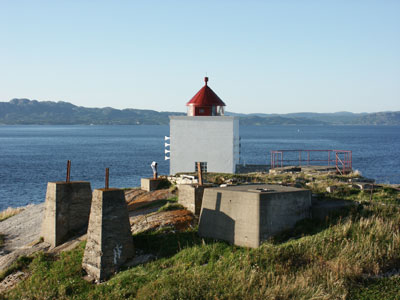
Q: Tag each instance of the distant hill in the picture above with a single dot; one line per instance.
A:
(25, 111)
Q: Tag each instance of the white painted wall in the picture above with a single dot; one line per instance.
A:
(214, 140)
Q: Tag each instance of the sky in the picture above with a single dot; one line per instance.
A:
(260, 56)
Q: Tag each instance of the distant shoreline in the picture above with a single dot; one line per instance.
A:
(33, 112)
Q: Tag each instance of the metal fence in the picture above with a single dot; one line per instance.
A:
(340, 159)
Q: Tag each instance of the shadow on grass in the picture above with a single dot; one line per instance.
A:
(167, 243)
(311, 226)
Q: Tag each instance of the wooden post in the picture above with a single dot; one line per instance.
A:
(200, 174)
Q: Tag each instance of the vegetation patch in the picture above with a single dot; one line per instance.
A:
(170, 206)
(1, 240)
(341, 257)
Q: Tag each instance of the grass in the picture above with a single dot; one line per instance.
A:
(1, 240)
(338, 258)
(170, 206)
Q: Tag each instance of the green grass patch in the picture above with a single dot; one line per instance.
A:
(376, 289)
(170, 206)
(326, 260)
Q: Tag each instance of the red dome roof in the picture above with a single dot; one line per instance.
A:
(205, 97)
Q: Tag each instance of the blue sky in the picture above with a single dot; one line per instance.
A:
(261, 56)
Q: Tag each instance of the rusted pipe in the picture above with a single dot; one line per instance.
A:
(68, 171)
(107, 178)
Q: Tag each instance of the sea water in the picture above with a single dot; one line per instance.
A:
(30, 156)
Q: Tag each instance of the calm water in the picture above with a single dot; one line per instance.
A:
(30, 156)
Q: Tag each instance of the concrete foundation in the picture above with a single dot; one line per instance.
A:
(67, 209)
(109, 240)
(191, 196)
(247, 215)
(150, 184)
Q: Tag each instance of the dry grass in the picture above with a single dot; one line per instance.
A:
(11, 211)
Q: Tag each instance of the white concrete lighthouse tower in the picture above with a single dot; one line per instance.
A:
(205, 135)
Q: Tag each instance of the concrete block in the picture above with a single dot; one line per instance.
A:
(150, 184)
(67, 209)
(109, 240)
(191, 197)
(247, 215)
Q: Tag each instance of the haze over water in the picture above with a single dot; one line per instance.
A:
(30, 156)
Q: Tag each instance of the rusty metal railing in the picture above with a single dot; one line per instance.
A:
(342, 160)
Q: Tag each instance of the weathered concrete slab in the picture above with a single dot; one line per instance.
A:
(109, 239)
(67, 209)
(247, 215)
(150, 184)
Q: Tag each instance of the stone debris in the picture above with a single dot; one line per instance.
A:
(183, 179)
(331, 189)
(12, 280)
(363, 186)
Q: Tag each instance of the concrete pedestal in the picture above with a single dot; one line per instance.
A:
(247, 215)
(67, 209)
(150, 184)
(191, 197)
(109, 239)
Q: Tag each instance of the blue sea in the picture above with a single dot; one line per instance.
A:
(30, 156)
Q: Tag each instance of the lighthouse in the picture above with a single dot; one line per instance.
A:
(204, 136)
(205, 103)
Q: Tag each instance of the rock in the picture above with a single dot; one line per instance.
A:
(12, 280)
(331, 189)
(140, 260)
(178, 220)
(137, 198)
(363, 186)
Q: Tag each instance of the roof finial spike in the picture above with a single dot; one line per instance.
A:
(206, 79)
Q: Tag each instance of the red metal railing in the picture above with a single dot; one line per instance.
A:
(341, 159)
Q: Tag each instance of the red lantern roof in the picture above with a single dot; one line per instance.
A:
(205, 97)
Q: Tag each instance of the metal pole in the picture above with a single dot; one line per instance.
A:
(107, 178)
(329, 158)
(68, 171)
